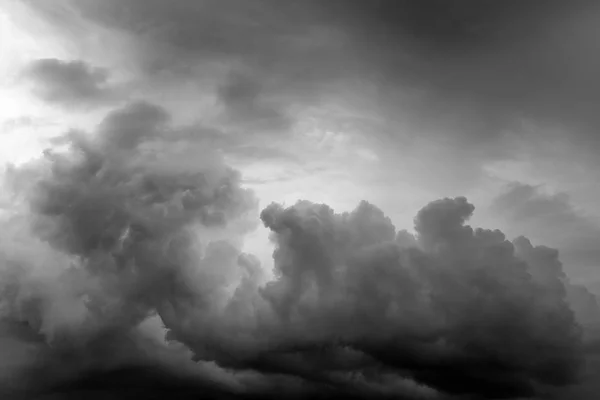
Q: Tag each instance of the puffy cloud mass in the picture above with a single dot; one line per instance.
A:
(463, 311)
(121, 262)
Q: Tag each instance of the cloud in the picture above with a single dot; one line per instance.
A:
(454, 81)
(141, 219)
(552, 219)
(128, 223)
(258, 71)
(71, 83)
(340, 275)
(242, 98)
(458, 47)
(109, 211)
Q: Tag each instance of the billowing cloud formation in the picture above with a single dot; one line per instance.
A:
(110, 203)
(138, 222)
(71, 83)
(444, 311)
(112, 216)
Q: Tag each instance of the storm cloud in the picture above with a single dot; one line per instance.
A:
(125, 268)
(472, 68)
(126, 224)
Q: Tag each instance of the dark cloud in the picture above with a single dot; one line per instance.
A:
(110, 211)
(141, 219)
(458, 76)
(345, 274)
(553, 219)
(482, 65)
(586, 306)
(71, 83)
(126, 225)
(268, 56)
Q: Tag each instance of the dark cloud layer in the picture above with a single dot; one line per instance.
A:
(482, 65)
(141, 220)
(459, 75)
(443, 309)
(71, 83)
(126, 225)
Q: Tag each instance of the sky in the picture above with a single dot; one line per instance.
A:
(305, 199)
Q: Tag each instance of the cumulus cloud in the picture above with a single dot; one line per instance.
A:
(121, 260)
(444, 309)
(71, 83)
(95, 227)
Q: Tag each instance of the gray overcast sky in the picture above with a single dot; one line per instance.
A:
(396, 102)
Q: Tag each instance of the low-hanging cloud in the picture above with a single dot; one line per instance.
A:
(138, 222)
(445, 310)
